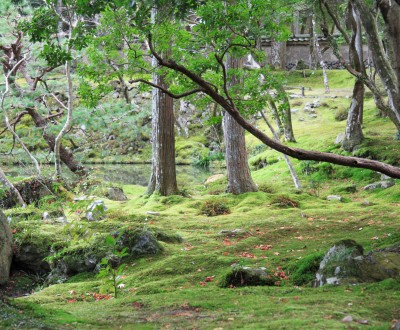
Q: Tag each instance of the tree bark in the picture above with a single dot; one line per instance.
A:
(278, 54)
(163, 174)
(239, 177)
(353, 132)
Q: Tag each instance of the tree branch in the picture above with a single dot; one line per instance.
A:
(166, 91)
(300, 154)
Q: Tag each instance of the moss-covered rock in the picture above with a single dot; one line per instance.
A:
(140, 243)
(247, 276)
(345, 263)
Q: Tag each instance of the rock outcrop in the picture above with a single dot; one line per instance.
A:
(345, 263)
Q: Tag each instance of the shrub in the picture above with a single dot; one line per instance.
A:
(204, 161)
(212, 208)
(341, 114)
(284, 201)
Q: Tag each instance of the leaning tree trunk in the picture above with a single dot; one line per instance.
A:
(286, 117)
(275, 115)
(368, 80)
(239, 177)
(66, 155)
(14, 191)
(353, 134)
(292, 171)
(163, 174)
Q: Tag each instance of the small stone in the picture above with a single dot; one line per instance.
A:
(233, 232)
(96, 211)
(365, 322)
(339, 139)
(385, 177)
(334, 198)
(153, 213)
(367, 203)
(214, 178)
(347, 319)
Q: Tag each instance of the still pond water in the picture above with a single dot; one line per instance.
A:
(138, 174)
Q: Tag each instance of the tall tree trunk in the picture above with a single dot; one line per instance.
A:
(386, 70)
(67, 124)
(321, 60)
(163, 174)
(353, 133)
(278, 54)
(390, 11)
(239, 177)
(369, 80)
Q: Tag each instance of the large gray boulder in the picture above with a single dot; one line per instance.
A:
(116, 194)
(345, 263)
(380, 185)
(6, 250)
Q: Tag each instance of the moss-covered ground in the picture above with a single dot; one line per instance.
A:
(282, 229)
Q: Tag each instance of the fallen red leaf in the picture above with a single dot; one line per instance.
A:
(137, 304)
(247, 255)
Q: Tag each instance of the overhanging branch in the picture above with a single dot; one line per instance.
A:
(166, 91)
(297, 153)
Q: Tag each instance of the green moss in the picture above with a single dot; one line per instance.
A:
(302, 272)
(164, 290)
